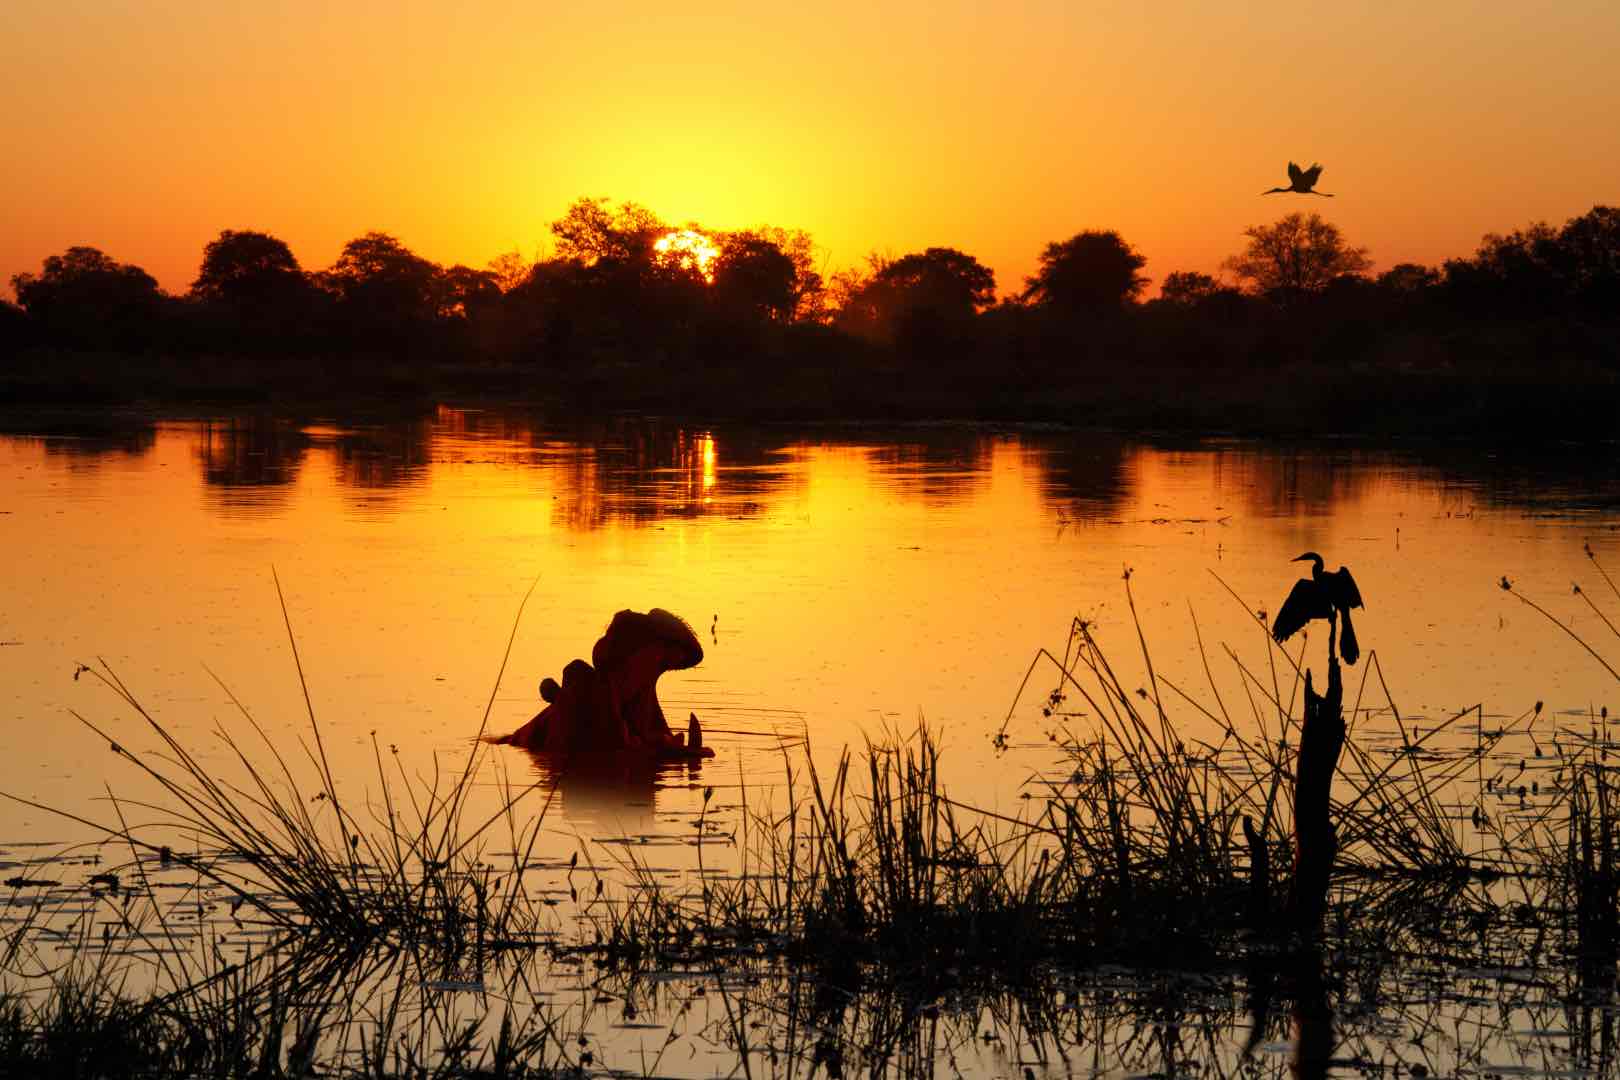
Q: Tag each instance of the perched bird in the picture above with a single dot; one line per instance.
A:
(1323, 595)
(1301, 181)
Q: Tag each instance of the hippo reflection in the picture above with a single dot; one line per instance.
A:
(613, 795)
(611, 704)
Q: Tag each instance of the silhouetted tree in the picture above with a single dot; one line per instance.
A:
(244, 266)
(465, 293)
(1539, 271)
(84, 297)
(942, 280)
(387, 293)
(923, 302)
(1589, 248)
(13, 328)
(1352, 295)
(590, 233)
(755, 278)
(1408, 279)
(1300, 253)
(865, 302)
(611, 315)
(844, 290)
(810, 291)
(1091, 271)
(1527, 257)
(1514, 274)
(624, 301)
(540, 314)
(1187, 287)
(511, 269)
(938, 288)
(1469, 288)
(471, 311)
(1406, 291)
(252, 292)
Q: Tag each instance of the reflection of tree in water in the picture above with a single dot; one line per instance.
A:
(620, 472)
(1274, 480)
(940, 468)
(1087, 473)
(386, 456)
(1546, 479)
(640, 472)
(1316, 479)
(515, 425)
(1284, 482)
(251, 461)
(85, 441)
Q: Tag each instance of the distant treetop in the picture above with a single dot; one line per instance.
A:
(242, 264)
(1095, 270)
(1300, 252)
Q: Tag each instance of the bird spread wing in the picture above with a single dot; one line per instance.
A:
(1293, 172)
(1311, 174)
(1347, 592)
(1304, 603)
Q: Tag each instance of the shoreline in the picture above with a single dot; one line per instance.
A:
(1520, 406)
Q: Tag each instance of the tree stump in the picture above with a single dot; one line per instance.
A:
(1259, 913)
(1315, 841)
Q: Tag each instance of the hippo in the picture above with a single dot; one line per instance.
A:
(610, 705)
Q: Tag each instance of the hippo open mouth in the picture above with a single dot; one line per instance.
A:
(611, 704)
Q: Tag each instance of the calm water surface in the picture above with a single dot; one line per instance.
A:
(845, 582)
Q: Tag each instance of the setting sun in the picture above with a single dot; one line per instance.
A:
(688, 249)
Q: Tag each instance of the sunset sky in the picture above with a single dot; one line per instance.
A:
(146, 128)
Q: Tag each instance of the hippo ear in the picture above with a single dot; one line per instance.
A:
(578, 674)
(677, 631)
(670, 625)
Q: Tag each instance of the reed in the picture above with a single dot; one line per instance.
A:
(1571, 838)
(406, 869)
(866, 879)
(1135, 853)
(296, 1009)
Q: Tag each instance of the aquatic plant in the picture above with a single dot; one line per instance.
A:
(1148, 848)
(864, 919)
(414, 876)
(1573, 840)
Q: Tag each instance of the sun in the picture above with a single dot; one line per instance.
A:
(688, 249)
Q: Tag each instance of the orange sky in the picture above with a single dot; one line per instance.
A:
(144, 128)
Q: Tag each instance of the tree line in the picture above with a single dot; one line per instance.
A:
(625, 296)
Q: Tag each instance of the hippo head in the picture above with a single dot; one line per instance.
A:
(631, 631)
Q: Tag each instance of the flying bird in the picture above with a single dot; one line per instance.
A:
(1323, 595)
(1301, 181)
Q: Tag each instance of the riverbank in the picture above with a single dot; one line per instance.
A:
(1520, 398)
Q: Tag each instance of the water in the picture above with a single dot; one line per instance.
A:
(845, 583)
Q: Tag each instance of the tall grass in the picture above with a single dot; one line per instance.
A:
(1574, 840)
(1147, 848)
(294, 1010)
(1136, 852)
(370, 904)
(405, 868)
